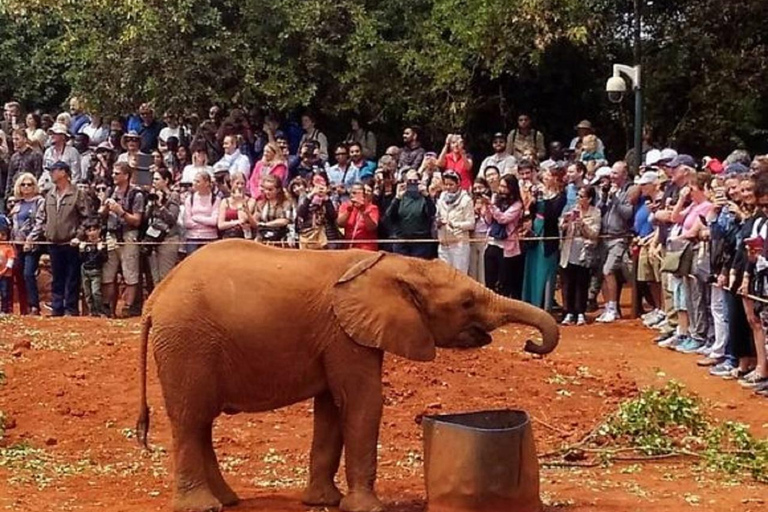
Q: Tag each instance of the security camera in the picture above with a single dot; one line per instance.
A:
(615, 87)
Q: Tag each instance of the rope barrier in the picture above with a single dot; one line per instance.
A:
(350, 242)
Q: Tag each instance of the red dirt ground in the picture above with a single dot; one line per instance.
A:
(72, 391)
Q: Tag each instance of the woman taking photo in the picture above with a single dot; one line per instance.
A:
(581, 230)
(455, 220)
(23, 213)
(163, 209)
(275, 212)
(454, 157)
(504, 263)
(480, 192)
(271, 164)
(237, 213)
(316, 216)
(360, 218)
(541, 255)
(201, 213)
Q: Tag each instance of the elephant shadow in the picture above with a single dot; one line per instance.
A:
(291, 503)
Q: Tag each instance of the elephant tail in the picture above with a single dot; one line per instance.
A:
(142, 424)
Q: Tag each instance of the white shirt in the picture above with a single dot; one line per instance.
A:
(168, 132)
(190, 171)
(237, 162)
(504, 162)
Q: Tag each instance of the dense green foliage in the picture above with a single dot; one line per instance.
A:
(447, 64)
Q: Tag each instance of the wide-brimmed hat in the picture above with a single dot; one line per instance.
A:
(648, 178)
(130, 135)
(105, 146)
(59, 129)
(585, 125)
(603, 172)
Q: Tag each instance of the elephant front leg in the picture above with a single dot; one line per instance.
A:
(324, 459)
(192, 491)
(361, 417)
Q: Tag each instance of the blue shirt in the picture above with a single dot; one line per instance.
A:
(571, 196)
(338, 176)
(366, 170)
(643, 226)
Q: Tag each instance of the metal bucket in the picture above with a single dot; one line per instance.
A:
(481, 461)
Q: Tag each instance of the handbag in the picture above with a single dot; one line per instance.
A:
(497, 231)
(679, 258)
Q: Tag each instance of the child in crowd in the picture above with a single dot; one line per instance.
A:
(93, 253)
(7, 258)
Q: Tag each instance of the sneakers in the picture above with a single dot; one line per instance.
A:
(752, 380)
(581, 320)
(654, 317)
(709, 361)
(568, 320)
(665, 335)
(673, 341)
(663, 325)
(723, 369)
(737, 373)
(690, 347)
(608, 316)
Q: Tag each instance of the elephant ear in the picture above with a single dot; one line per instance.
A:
(377, 307)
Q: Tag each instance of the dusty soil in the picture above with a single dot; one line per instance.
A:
(71, 393)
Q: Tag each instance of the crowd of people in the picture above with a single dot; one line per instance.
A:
(116, 203)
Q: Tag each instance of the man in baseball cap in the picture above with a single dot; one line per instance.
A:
(501, 159)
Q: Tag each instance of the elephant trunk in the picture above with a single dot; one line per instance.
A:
(504, 311)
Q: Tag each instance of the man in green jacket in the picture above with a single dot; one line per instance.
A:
(412, 212)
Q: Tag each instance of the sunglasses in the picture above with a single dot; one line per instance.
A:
(27, 185)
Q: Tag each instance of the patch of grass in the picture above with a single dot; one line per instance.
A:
(671, 422)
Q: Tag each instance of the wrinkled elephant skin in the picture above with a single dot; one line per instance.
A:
(241, 327)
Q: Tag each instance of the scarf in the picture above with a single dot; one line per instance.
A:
(451, 198)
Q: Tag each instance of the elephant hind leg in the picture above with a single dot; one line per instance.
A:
(192, 489)
(218, 485)
(327, 443)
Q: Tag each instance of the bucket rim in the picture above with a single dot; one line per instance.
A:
(444, 419)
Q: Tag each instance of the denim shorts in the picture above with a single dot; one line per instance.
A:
(679, 290)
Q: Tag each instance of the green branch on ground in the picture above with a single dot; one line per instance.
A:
(665, 423)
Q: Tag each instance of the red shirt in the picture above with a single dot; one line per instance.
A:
(8, 254)
(460, 165)
(356, 229)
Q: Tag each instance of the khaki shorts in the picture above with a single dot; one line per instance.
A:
(648, 268)
(124, 258)
(614, 252)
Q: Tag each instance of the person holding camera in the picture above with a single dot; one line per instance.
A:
(481, 191)
(504, 260)
(384, 191)
(316, 215)
(412, 213)
(123, 212)
(580, 228)
(455, 219)
(454, 157)
(163, 207)
(237, 213)
(274, 211)
(360, 218)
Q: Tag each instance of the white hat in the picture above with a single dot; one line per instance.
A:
(667, 154)
(603, 172)
(652, 158)
(648, 178)
(59, 128)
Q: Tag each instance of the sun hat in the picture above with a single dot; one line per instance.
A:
(133, 134)
(603, 172)
(585, 125)
(59, 129)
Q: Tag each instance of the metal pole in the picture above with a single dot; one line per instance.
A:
(638, 88)
(636, 299)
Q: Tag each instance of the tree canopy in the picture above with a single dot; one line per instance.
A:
(447, 64)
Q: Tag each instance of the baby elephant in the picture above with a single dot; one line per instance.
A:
(241, 327)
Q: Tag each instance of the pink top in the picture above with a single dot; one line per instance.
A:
(692, 213)
(279, 170)
(511, 219)
(201, 216)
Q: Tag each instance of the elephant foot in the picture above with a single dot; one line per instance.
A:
(196, 500)
(227, 496)
(321, 495)
(361, 501)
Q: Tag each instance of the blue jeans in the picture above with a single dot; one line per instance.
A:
(29, 261)
(194, 244)
(6, 299)
(65, 289)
